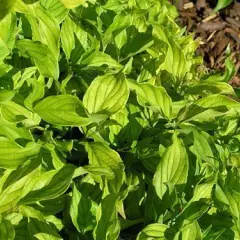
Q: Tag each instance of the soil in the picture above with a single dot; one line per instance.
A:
(214, 30)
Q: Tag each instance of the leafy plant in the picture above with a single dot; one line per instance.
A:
(108, 130)
(222, 4)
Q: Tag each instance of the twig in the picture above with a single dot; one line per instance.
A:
(188, 5)
(209, 18)
(211, 35)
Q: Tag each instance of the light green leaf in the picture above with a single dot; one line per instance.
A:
(222, 4)
(8, 31)
(128, 126)
(120, 23)
(22, 76)
(14, 218)
(108, 225)
(38, 87)
(173, 167)
(210, 87)
(107, 94)
(156, 98)
(14, 113)
(190, 231)
(203, 191)
(220, 195)
(175, 61)
(13, 132)
(228, 74)
(73, 37)
(48, 30)
(67, 36)
(72, 3)
(216, 100)
(6, 95)
(153, 231)
(56, 221)
(56, 9)
(101, 155)
(42, 231)
(202, 147)
(10, 196)
(234, 203)
(46, 62)
(100, 171)
(64, 110)
(4, 51)
(31, 212)
(49, 186)
(95, 58)
(12, 154)
(82, 211)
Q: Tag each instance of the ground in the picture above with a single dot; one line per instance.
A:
(214, 30)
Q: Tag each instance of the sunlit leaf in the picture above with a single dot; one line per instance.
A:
(107, 94)
(173, 167)
(62, 110)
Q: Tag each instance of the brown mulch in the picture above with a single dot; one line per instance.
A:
(215, 31)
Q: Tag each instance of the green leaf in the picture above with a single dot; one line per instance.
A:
(129, 125)
(202, 147)
(120, 23)
(174, 55)
(56, 9)
(95, 59)
(203, 191)
(72, 3)
(220, 195)
(173, 167)
(5, 7)
(153, 231)
(226, 77)
(111, 127)
(48, 186)
(22, 76)
(14, 113)
(13, 132)
(12, 154)
(38, 87)
(46, 62)
(8, 31)
(210, 87)
(64, 110)
(216, 100)
(101, 155)
(156, 98)
(10, 196)
(222, 4)
(45, 29)
(42, 231)
(108, 225)
(190, 231)
(6, 230)
(67, 36)
(32, 213)
(107, 94)
(6, 95)
(82, 211)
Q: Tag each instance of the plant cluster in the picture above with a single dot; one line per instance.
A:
(109, 129)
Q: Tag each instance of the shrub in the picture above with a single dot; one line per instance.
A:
(109, 129)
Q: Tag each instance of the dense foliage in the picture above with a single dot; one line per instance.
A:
(110, 129)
